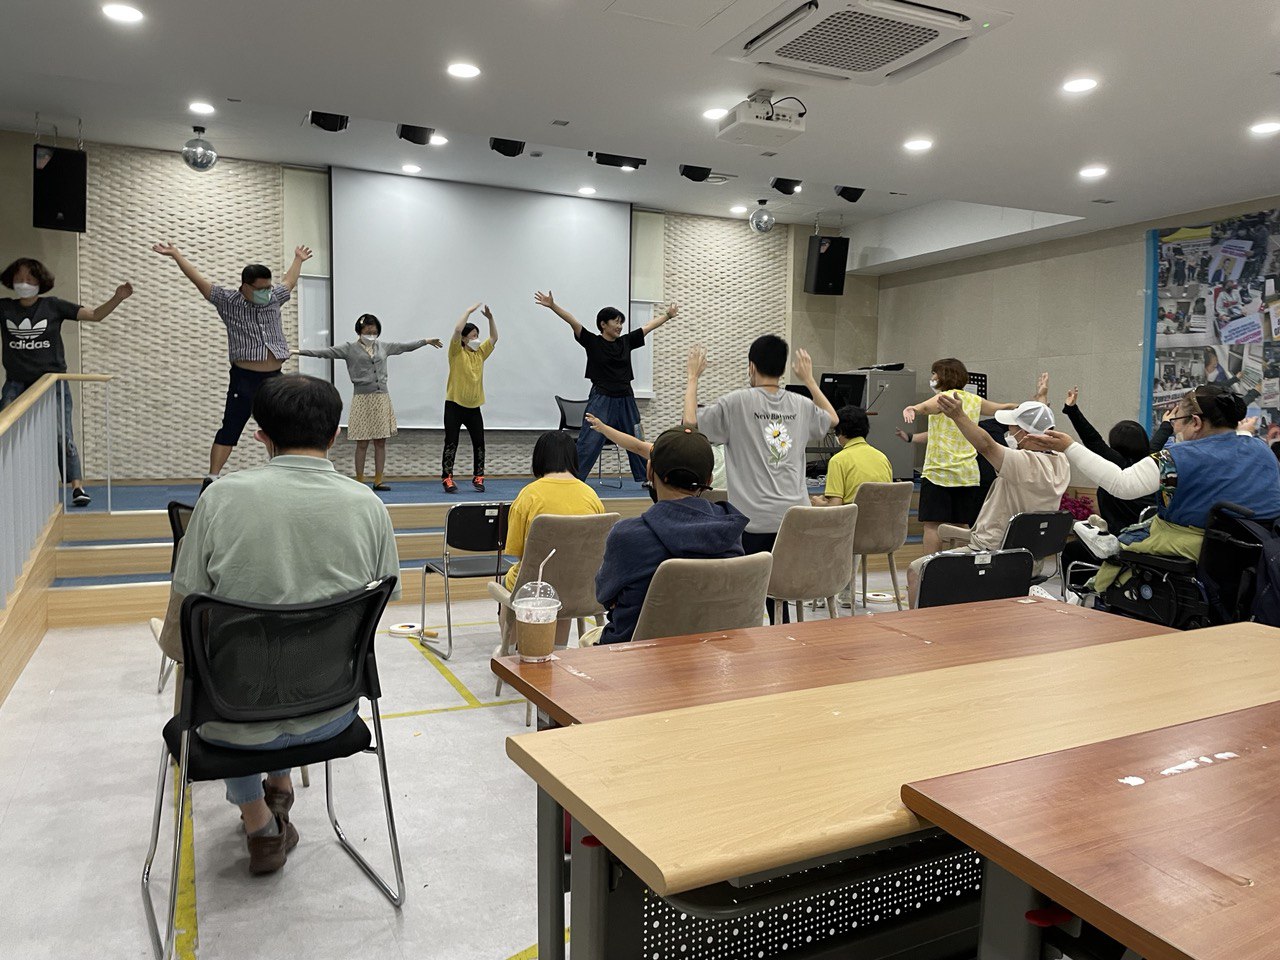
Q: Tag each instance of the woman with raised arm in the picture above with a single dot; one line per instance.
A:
(464, 395)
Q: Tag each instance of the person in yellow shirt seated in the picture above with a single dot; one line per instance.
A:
(556, 490)
(857, 462)
(464, 395)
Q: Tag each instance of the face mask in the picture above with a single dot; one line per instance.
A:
(1011, 441)
(262, 297)
(471, 344)
(369, 337)
(26, 290)
(933, 385)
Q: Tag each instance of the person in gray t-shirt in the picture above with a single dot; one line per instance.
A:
(764, 430)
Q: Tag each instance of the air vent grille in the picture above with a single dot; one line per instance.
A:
(856, 42)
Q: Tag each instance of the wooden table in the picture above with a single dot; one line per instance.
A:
(1165, 840)
(623, 680)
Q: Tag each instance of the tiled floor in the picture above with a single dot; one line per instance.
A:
(79, 745)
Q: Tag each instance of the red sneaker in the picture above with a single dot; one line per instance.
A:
(478, 483)
(449, 485)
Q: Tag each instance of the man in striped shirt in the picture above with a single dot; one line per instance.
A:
(255, 338)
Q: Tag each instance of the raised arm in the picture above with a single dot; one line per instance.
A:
(324, 353)
(1140, 480)
(493, 326)
(1085, 430)
(989, 407)
(697, 366)
(465, 319)
(624, 440)
(656, 322)
(300, 256)
(802, 367)
(123, 293)
(920, 436)
(982, 441)
(549, 301)
(189, 271)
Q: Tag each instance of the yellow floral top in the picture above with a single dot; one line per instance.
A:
(949, 459)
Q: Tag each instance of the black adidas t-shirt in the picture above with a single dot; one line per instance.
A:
(609, 361)
(32, 337)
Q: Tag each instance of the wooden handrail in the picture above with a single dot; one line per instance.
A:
(33, 393)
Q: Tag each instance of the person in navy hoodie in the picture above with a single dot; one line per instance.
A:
(679, 525)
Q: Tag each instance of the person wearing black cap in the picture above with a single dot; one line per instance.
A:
(679, 525)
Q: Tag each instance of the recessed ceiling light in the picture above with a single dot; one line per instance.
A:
(715, 113)
(411, 168)
(738, 209)
(464, 71)
(917, 146)
(1093, 171)
(1079, 85)
(200, 107)
(586, 191)
(121, 12)
(438, 141)
(1265, 128)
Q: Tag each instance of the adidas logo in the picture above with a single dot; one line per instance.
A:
(25, 330)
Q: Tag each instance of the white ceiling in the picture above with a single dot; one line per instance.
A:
(1181, 80)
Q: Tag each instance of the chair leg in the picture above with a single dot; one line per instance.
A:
(156, 943)
(864, 583)
(306, 776)
(446, 653)
(582, 628)
(166, 668)
(528, 713)
(831, 609)
(893, 575)
(164, 950)
(504, 628)
(800, 611)
(396, 897)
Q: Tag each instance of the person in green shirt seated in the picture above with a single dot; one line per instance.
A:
(857, 462)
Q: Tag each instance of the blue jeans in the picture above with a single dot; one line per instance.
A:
(241, 790)
(14, 389)
(621, 413)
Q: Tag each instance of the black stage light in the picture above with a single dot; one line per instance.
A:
(508, 148)
(696, 174)
(617, 160)
(783, 185)
(852, 194)
(333, 122)
(418, 135)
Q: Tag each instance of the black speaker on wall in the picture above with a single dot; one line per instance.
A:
(58, 188)
(825, 268)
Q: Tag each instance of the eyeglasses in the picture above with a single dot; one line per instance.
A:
(1188, 417)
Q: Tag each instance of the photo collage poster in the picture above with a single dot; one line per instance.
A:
(1218, 313)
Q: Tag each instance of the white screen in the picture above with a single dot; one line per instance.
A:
(417, 252)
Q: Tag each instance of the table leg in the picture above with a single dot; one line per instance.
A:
(1004, 933)
(588, 905)
(550, 878)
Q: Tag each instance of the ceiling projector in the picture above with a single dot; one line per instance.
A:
(757, 122)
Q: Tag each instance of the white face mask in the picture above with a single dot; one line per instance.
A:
(26, 290)
(1011, 441)
(369, 337)
(933, 385)
(471, 344)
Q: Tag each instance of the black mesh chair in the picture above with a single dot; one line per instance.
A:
(179, 517)
(572, 416)
(475, 528)
(948, 578)
(247, 662)
(1044, 535)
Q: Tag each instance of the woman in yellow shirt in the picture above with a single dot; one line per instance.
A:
(464, 395)
(556, 490)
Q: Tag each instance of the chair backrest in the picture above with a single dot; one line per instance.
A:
(476, 527)
(883, 512)
(1044, 534)
(579, 546)
(947, 578)
(813, 555)
(248, 662)
(696, 596)
(572, 413)
(179, 517)
(715, 495)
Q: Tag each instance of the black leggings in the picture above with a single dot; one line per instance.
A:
(456, 417)
(763, 543)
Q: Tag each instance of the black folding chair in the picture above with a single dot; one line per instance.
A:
(477, 528)
(572, 417)
(246, 663)
(1044, 535)
(179, 517)
(948, 578)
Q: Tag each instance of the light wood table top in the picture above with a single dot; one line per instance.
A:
(625, 679)
(705, 794)
(1184, 864)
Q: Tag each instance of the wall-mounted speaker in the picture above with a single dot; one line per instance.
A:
(59, 188)
(825, 268)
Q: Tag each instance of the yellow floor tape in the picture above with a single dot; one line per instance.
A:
(531, 953)
(185, 921)
(471, 699)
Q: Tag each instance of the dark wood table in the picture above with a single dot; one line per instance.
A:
(1166, 840)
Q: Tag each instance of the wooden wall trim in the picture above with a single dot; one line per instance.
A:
(25, 617)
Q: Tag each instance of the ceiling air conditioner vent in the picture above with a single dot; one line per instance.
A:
(866, 41)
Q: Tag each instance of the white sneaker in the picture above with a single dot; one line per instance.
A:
(1040, 593)
(845, 600)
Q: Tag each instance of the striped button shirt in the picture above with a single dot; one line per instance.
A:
(254, 331)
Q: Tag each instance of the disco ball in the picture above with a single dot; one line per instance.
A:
(198, 153)
(761, 220)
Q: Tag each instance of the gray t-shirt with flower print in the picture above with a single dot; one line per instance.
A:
(764, 433)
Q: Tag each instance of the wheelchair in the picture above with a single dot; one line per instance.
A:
(1188, 594)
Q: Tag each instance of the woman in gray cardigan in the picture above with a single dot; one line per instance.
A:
(371, 416)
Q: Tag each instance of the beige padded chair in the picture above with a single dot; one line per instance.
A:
(698, 596)
(883, 512)
(813, 556)
(579, 546)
